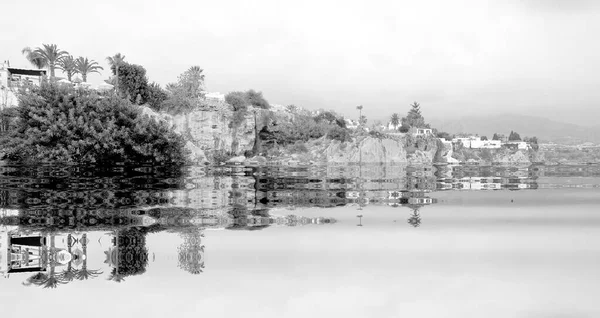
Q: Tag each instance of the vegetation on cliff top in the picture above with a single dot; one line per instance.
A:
(57, 123)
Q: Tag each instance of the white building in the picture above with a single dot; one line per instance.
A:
(216, 96)
(475, 142)
(12, 78)
(391, 126)
(423, 132)
(521, 145)
(351, 124)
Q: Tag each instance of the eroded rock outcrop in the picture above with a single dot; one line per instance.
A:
(209, 132)
(367, 150)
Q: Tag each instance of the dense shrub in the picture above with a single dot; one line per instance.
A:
(237, 100)
(61, 124)
(339, 133)
(444, 135)
(133, 82)
(376, 134)
(256, 99)
(155, 96)
(298, 147)
(301, 129)
(177, 104)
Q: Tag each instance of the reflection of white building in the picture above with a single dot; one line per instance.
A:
(22, 253)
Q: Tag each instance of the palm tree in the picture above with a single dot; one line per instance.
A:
(68, 65)
(85, 66)
(35, 60)
(415, 218)
(395, 120)
(115, 276)
(50, 54)
(69, 274)
(114, 62)
(359, 107)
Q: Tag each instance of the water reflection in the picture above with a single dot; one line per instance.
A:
(53, 218)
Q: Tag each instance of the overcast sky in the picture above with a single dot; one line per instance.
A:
(454, 57)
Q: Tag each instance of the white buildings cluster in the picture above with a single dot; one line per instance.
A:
(476, 142)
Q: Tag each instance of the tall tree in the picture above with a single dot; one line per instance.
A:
(133, 81)
(414, 117)
(68, 65)
(360, 108)
(85, 66)
(51, 54)
(514, 136)
(34, 59)
(256, 99)
(395, 120)
(114, 63)
(416, 109)
(191, 81)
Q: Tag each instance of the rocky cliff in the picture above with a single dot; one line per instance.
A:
(363, 148)
(211, 137)
(209, 132)
(499, 156)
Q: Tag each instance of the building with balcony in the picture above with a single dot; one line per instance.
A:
(12, 78)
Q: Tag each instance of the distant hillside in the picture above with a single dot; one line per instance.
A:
(544, 129)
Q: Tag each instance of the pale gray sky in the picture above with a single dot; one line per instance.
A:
(454, 57)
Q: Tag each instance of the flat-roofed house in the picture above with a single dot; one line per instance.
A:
(11, 78)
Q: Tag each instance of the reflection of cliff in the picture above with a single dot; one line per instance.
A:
(485, 178)
(128, 256)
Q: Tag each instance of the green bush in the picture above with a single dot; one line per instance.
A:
(298, 147)
(339, 133)
(177, 104)
(61, 124)
(133, 82)
(155, 96)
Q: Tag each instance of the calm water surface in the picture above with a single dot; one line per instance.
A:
(300, 242)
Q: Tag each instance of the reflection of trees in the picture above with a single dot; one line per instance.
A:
(37, 279)
(132, 253)
(415, 218)
(115, 276)
(84, 273)
(68, 274)
(191, 252)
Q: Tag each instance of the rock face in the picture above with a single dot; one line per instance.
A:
(367, 150)
(518, 157)
(208, 132)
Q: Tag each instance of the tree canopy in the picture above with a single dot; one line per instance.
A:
(514, 136)
(61, 124)
(414, 118)
(133, 81)
(189, 84)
